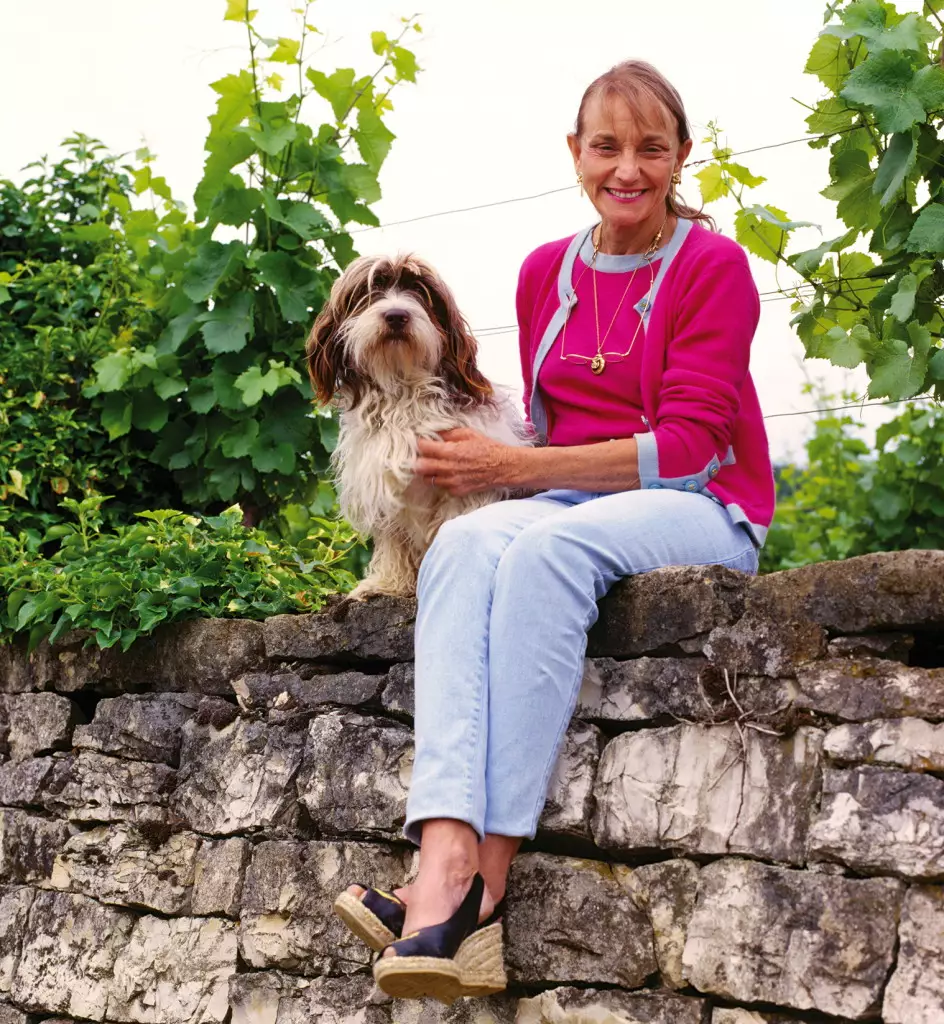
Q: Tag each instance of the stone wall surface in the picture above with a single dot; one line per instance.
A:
(745, 824)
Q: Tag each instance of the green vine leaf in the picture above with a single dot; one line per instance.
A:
(896, 165)
(927, 235)
(228, 326)
(885, 82)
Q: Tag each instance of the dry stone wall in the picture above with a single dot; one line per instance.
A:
(746, 823)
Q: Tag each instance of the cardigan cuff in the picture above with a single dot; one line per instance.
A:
(648, 464)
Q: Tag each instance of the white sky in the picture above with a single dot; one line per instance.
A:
(487, 121)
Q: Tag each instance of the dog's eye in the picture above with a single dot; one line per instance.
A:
(420, 290)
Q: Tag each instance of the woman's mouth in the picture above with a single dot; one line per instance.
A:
(624, 196)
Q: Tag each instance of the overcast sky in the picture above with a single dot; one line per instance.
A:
(487, 121)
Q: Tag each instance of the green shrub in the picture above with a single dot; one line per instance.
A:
(169, 566)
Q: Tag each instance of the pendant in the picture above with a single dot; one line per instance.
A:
(598, 364)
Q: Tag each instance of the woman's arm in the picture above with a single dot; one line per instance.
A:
(465, 461)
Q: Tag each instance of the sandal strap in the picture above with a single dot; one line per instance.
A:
(390, 910)
(442, 941)
(496, 915)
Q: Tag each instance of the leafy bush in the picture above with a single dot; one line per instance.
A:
(66, 301)
(168, 566)
(851, 501)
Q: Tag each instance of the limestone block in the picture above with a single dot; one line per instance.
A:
(878, 820)
(870, 688)
(792, 938)
(585, 1005)
(648, 612)
(143, 727)
(28, 845)
(286, 692)
(271, 997)
(378, 630)
(665, 892)
(915, 993)
(15, 902)
(764, 644)
(398, 695)
(198, 656)
(705, 789)
(37, 723)
(70, 945)
(174, 971)
(570, 792)
(286, 918)
(887, 591)
(218, 876)
(570, 921)
(9, 1014)
(910, 743)
(893, 646)
(95, 787)
(736, 1015)
(690, 688)
(16, 669)
(356, 773)
(238, 778)
(22, 782)
(117, 864)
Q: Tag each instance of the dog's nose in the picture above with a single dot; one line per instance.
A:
(397, 318)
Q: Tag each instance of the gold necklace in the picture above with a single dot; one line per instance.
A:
(598, 362)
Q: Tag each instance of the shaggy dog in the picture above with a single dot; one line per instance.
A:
(393, 349)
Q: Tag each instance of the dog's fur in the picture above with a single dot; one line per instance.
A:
(391, 347)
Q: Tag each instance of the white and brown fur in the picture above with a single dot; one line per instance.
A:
(393, 350)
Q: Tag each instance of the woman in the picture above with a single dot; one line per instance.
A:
(635, 340)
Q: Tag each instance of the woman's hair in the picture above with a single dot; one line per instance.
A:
(637, 83)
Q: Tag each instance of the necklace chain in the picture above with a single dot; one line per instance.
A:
(598, 362)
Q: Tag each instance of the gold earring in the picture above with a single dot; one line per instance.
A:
(580, 181)
(677, 178)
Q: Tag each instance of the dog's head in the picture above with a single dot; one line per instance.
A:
(388, 321)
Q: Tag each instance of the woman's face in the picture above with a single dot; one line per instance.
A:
(627, 159)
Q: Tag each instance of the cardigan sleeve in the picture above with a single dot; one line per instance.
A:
(707, 359)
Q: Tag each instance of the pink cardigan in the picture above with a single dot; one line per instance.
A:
(706, 432)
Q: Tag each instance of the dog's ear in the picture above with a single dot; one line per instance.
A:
(458, 364)
(328, 368)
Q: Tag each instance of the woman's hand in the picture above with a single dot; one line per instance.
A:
(465, 461)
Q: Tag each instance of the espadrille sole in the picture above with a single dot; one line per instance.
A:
(419, 977)
(481, 962)
(363, 922)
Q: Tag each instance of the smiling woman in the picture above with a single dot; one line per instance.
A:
(635, 336)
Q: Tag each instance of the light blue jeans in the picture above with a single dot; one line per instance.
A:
(506, 595)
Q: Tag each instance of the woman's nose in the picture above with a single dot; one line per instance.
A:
(627, 166)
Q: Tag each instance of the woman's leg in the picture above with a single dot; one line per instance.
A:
(545, 599)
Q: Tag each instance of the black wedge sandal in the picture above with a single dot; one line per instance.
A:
(480, 957)
(375, 918)
(426, 961)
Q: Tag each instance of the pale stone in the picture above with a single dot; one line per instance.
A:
(709, 790)
(356, 774)
(398, 696)
(22, 783)
(915, 993)
(909, 743)
(70, 946)
(870, 688)
(588, 1006)
(570, 791)
(16, 669)
(238, 778)
(736, 1015)
(15, 903)
(11, 1015)
(881, 821)
(765, 645)
(680, 688)
(28, 845)
(379, 630)
(570, 920)
(666, 892)
(174, 971)
(117, 864)
(37, 723)
(286, 919)
(287, 692)
(95, 787)
(792, 938)
(218, 876)
(144, 727)
(657, 609)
